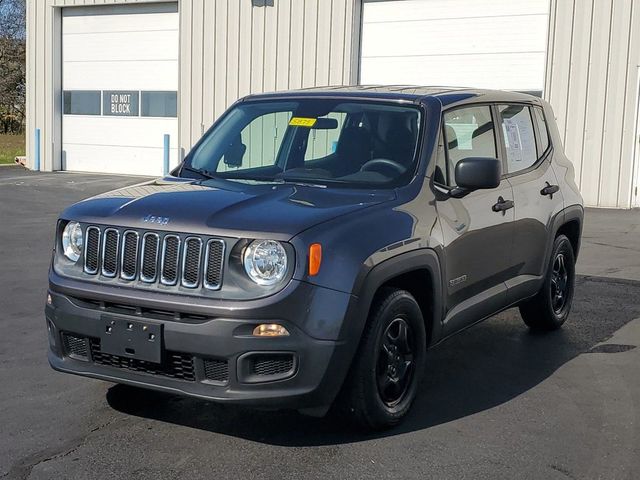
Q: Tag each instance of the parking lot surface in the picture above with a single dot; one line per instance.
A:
(498, 401)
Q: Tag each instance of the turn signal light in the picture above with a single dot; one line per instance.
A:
(270, 330)
(315, 258)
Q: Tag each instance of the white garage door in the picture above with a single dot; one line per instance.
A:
(486, 44)
(120, 82)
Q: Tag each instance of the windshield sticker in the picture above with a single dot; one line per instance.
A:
(302, 122)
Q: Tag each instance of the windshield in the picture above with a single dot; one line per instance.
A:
(318, 141)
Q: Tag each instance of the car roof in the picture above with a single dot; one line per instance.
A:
(446, 95)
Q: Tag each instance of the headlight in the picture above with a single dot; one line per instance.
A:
(265, 261)
(72, 241)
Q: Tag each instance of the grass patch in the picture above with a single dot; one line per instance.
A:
(11, 146)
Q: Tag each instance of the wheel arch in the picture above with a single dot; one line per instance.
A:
(418, 272)
(569, 223)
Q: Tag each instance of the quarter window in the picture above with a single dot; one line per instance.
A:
(468, 132)
(543, 143)
(519, 137)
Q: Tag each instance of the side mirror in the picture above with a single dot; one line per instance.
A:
(476, 173)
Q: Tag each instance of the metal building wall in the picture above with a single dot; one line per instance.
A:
(228, 48)
(592, 84)
(231, 48)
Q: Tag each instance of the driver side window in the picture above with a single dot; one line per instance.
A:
(468, 132)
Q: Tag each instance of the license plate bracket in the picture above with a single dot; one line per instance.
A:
(132, 339)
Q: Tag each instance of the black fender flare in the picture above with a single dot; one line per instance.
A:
(370, 279)
(564, 216)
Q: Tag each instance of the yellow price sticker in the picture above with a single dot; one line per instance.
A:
(302, 122)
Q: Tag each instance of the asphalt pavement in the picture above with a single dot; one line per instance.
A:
(498, 401)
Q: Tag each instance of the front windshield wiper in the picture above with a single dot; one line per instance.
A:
(204, 173)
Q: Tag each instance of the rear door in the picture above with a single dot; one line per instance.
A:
(528, 153)
(477, 240)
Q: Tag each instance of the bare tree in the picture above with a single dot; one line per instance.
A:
(12, 65)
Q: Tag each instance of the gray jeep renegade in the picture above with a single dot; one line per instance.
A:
(313, 246)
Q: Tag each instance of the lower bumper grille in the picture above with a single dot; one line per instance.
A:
(75, 346)
(268, 365)
(216, 370)
(175, 365)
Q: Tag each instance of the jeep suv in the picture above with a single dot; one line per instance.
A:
(314, 244)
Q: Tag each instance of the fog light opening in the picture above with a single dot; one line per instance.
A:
(270, 330)
(49, 299)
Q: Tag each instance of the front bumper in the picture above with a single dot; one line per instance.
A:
(317, 366)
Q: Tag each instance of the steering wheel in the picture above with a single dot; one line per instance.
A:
(378, 164)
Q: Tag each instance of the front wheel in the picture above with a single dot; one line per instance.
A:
(549, 309)
(385, 374)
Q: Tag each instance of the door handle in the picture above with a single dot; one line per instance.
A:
(549, 189)
(502, 205)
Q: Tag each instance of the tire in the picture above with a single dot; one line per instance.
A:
(386, 372)
(549, 309)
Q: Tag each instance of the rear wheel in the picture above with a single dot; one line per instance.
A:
(549, 309)
(385, 374)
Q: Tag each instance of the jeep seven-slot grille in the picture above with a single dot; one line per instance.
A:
(166, 258)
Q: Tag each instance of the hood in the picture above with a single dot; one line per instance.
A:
(222, 207)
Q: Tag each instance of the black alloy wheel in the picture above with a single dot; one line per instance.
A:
(394, 370)
(385, 375)
(549, 309)
(559, 283)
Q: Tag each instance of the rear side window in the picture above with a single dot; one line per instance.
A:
(468, 132)
(519, 137)
(543, 142)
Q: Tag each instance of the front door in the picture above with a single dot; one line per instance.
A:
(477, 239)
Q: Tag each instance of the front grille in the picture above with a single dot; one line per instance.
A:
(129, 255)
(213, 264)
(191, 262)
(170, 259)
(92, 250)
(175, 365)
(267, 365)
(216, 370)
(110, 252)
(75, 346)
(149, 267)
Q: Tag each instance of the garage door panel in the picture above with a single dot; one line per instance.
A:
(114, 57)
(490, 44)
(135, 131)
(98, 75)
(116, 159)
(462, 70)
(442, 9)
(121, 46)
(117, 23)
(524, 32)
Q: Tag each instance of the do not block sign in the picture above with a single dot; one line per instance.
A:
(121, 103)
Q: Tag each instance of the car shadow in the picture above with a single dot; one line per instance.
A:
(481, 368)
